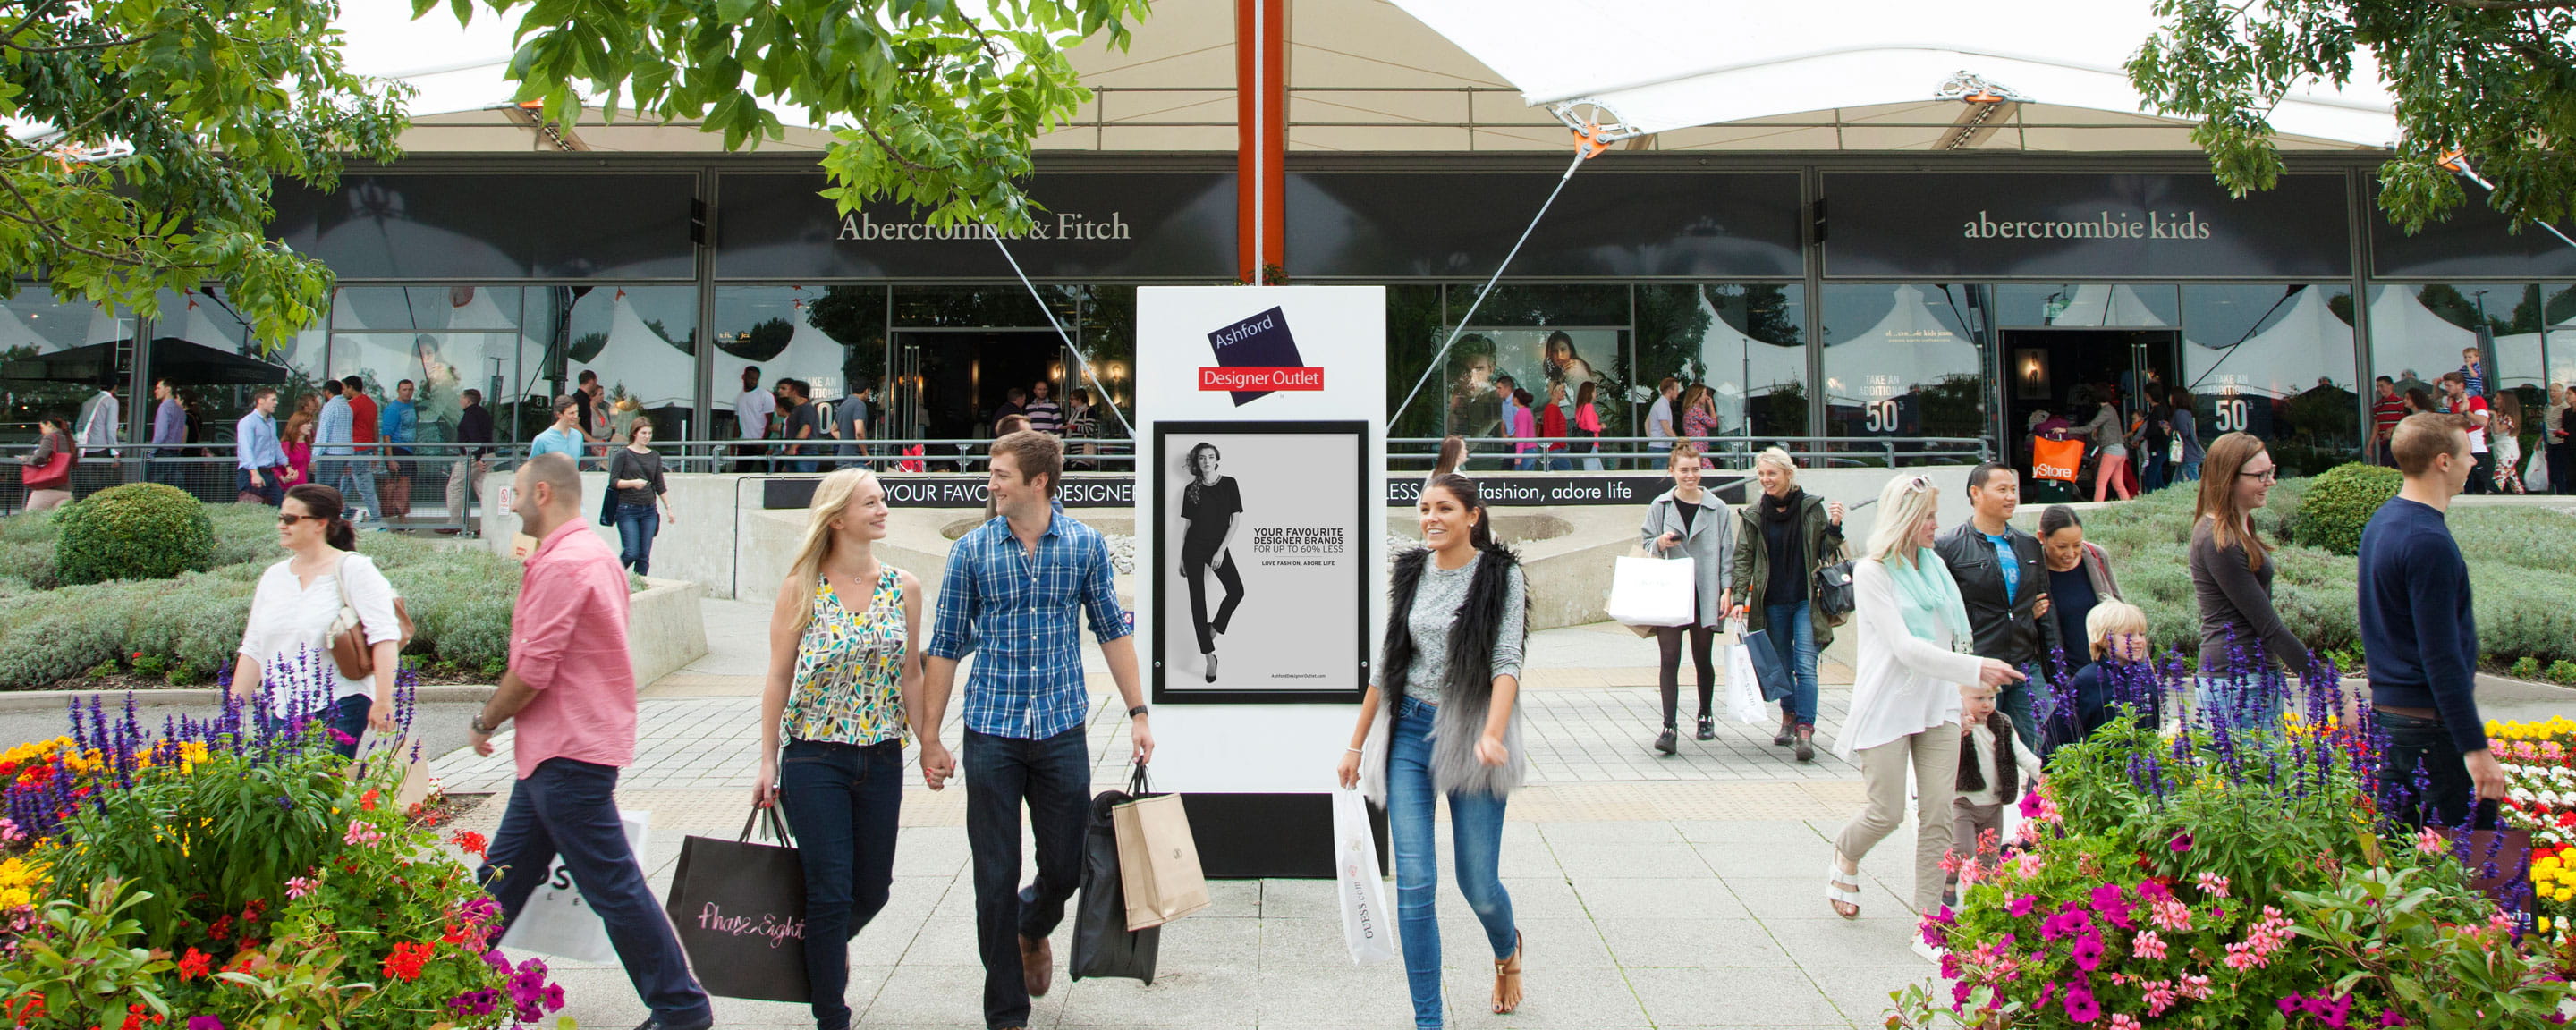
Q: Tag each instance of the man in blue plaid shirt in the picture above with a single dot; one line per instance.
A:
(1010, 595)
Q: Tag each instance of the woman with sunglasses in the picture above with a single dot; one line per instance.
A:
(2243, 642)
(284, 670)
(1914, 637)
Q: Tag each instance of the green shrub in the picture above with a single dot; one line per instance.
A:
(2526, 667)
(2332, 511)
(70, 632)
(135, 531)
(2563, 671)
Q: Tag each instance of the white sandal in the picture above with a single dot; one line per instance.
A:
(1838, 894)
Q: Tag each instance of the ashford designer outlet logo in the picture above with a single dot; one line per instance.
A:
(1256, 356)
(2102, 225)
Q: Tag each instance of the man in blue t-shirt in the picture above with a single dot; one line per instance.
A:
(564, 437)
(2421, 634)
(2003, 580)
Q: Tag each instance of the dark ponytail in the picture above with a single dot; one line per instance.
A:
(324, 503)
(2056, 517)
(1444, 476)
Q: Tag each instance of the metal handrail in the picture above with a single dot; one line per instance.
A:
(1830, 450)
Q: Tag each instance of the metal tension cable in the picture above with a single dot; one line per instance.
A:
(1595, 128)
(1079, 357)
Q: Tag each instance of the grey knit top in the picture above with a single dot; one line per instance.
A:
(1435, 608)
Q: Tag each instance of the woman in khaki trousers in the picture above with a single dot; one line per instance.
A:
(1913, 633)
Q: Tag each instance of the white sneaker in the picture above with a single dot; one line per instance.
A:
(1929, 953)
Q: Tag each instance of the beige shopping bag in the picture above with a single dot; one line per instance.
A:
(1158, 861)
(403, 751)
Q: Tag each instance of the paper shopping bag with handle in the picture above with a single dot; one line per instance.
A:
(1158, 860)
(739, 907)
(1102, 943)
(1367, 927)
(557, 922)
(404, 752)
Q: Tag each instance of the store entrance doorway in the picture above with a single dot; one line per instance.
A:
(947, 383)
(2070, 372)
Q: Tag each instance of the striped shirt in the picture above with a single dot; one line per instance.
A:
(1045, 417)
(1018, 614)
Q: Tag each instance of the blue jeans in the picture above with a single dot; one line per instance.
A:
(1476, 829)
(569, 808)
(1053, 776)
(2015, 701)
(2187, 472)
(2417, 744)
(356, 483)
(2151, 476)
(2241, 703)
(271, 492)
(637, 525)
(842, 801)
(1793, 635)
(346, 716)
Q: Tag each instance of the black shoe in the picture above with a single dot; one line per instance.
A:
(1707, 728)
(658, 1023)
(1665, 741)
(1806, 744)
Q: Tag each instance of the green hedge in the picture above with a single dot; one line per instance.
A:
(459, 597)
(2524, 585)
(2339, 504)
(135, 531)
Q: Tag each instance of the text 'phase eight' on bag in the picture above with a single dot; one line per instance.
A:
(1158, 860)
(1368, 926)
(739, 908)
(1103, 946)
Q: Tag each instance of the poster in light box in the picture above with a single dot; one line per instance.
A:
(1260, 551)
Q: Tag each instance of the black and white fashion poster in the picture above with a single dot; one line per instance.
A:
(1260, 556)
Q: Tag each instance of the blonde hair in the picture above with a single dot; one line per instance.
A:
(1903, 504)
(2112, 616)
(831, 500)
(1778, 459)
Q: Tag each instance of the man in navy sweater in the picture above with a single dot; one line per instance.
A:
(2419, 635)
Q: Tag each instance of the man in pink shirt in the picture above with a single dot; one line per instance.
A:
(572, 690)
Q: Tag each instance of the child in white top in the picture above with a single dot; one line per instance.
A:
(1986, 783)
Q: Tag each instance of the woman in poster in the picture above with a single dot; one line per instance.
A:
(1212, 507)
(1562, 366)
(1447, 722)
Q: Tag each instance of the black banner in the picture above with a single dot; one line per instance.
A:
(442, 226)
(1092, 225)
(1946, 225)
(1607, 223)
(953, 491)
(1512, 490)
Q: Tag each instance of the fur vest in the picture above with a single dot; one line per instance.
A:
(1465, 698)
(2007, 768)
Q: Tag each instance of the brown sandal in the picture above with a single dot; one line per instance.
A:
(1507, 979)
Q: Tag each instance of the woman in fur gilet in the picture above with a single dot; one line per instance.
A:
(1446, 722)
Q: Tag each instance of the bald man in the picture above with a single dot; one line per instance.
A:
(572, 690)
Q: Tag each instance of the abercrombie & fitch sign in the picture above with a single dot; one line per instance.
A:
(1948, 225)
(1089, 225)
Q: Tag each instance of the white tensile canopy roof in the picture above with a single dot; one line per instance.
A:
(636, 356)
(2107, 306)
(1738, 366)
(2282, 360)
(2406, 334)
(1671, 64)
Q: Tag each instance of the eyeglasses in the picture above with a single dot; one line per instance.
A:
(2267, 475)
(289, 520)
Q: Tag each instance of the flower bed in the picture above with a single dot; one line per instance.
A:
(222, 874)
(2222, 877)
(2540, 760)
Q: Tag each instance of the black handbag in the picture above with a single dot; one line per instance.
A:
(1834, 600)
(1102, 943)
(739, 909)
(608, 495)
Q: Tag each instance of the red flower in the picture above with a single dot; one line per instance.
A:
(195, 964)
(367, 801)
(404, 964)
(471, 842)
(221, 929)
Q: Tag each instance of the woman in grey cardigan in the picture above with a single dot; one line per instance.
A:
(1689, 523)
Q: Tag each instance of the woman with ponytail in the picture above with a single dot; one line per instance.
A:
(1444, 720)
(284, 670)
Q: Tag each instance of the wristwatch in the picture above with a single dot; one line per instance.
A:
(479, 727)
(1136, 711)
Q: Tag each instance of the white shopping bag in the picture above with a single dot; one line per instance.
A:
(2535, 476)
(1743, 687)
(1366, 924)
(1653, 592)
(558, 922)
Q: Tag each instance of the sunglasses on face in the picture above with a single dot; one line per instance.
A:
(289, 520)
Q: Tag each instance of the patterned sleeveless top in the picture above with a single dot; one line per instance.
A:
(849, 667)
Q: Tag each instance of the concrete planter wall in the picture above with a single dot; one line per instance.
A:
(663, 630)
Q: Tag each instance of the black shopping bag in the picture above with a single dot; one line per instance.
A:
(739, 908)
(1767, 669)
(1102, 943)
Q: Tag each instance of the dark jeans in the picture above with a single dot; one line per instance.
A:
(842, 801)
(166, 472)
(569, 808)
(346, 717)
(2482, 481)
(2444, 797)
(2151, 474)
(637, 525)
(271, 490)
(2562, 469)
(1232, 581)
(1054, 777)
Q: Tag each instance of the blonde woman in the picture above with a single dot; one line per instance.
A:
(844, 689)
(1913, 632)
(1781, 538)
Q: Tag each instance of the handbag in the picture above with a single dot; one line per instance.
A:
(556, 922)
(2055, 459)
(608, 495)
(54, 474)
(1158, 860)
(1367, 929)
(348, 637)
(1654, 591)
(1102, 943)
(1834, 598)
(2173, 449)
(739, 910)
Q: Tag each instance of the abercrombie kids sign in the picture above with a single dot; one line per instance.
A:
(1960, 224)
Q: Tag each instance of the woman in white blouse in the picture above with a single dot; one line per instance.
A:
(285, 653)
(1913, 632)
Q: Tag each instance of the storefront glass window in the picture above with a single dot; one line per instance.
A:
(1549, 341)
(446, 340)
(642, 341)
(2276, 362)
(1900, 362)
(1108, 338)
(1746, 343)
(53, 357)
(2534, 353)
(2086, 306)
(831, 337)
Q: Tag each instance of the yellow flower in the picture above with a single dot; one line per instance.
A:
(2544, 924)
(16, 897)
